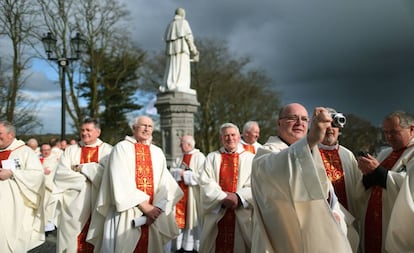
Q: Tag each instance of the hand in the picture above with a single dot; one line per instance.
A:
(151, 212)
(46, 171)
(367, 164)
(230, 201)
(321, 120)
(5, 174)
(76, 168)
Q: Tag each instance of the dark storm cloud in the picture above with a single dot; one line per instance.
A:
(357, 56)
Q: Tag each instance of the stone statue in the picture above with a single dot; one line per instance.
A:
(180, 50)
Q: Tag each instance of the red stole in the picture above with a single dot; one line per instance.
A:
(144, 180)
(181, 207)
(229, 172)
(335, 173)
(88, 154)
(373, 216)
(4, 155)
(249, 148)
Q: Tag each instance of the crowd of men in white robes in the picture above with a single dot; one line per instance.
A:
(301, 191)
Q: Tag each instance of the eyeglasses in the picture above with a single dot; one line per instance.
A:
(295, 118)
(144, 126)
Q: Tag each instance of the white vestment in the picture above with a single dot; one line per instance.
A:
(21, 197)
(352, 177)
(51, 162)
(400, 228)
(211, 200)
(180, 45)
(273, 144)
(290, 189)
(256, 145)
(75, 193)
(118, 200)
(189, 236)
(395, 178)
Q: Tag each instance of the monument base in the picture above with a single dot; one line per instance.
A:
(176, 109)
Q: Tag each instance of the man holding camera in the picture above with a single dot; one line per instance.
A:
(296, 209)
(342, 170)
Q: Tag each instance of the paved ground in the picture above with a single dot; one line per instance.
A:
(49, 246)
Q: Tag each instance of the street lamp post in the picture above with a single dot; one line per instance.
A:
(49, 42)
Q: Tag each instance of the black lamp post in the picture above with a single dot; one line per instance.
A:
(49, 42)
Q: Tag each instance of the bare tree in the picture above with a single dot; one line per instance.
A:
(17, 22)
(100, 22)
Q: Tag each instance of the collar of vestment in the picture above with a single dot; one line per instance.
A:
(239, 150)
(14, 145)
(133, 140)
(193, 151)
(328, 147)
(98, 142)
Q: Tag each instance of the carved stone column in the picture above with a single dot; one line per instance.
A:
(176, 111)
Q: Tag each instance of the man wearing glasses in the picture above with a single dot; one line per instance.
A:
(292, 125)
(296, 209)
(383, 177)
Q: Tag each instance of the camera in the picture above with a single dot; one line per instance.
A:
(338, 119)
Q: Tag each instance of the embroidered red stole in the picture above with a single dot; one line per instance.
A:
(249, 148)
(144, 180)
(88, 154)
(229, 172)
(373, 216)
(335, 173)
(181, 207)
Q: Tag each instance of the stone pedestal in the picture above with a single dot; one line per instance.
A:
(176, 111)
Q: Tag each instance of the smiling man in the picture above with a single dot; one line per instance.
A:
(226, 197)
(77, 180)
(295, 207)
(292, 126)
(342, 170)
(137, 184)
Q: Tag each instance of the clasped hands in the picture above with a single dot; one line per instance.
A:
(151, 212)
(230, 201)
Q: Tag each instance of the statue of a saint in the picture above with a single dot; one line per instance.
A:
(180, 50)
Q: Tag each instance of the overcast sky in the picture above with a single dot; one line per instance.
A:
(355, 56)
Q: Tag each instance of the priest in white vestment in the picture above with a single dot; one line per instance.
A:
(137, 197)
(250, 135)
(226, 197)
(186, 169)
(296, 209)
(77, 181)
(49, 163)
(21, 194)
(399, 236)
(383, 178)
(342, 169)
